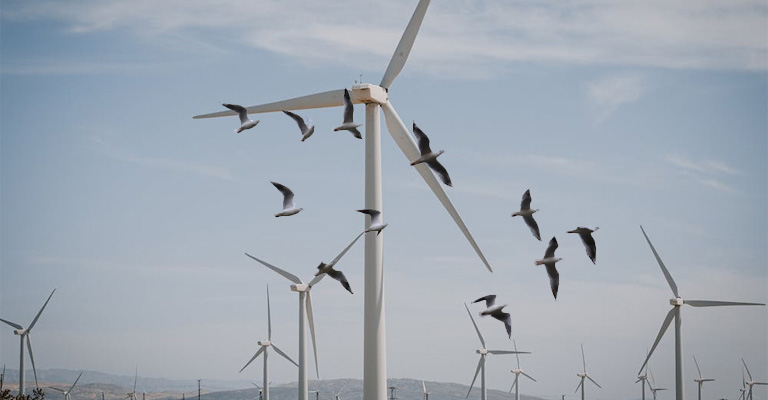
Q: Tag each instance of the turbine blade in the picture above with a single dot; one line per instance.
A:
(579, 386)
(403, 49)
(291, 277)
(664, 270)
(583, 360)
(261, 350)
(277, 349)
(529, 377)
(664, 326)
(73, 385)
(477, 371)
(400, 134)
(331, 98)
(32, 358)
(336, 259)
(13, 324)
(311, 320)
(747, 368)
(479, 335)
(269, 318)
(514, 383)
(697, 366)
(34, 321)
(508, 352)
(516, 354)
(711, 303)
(593, 381)
(135, 379)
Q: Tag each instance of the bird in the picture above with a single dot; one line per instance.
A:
(306, 130)
(549, 261)
(288, 207)
(495, 312)
(338, 275)
(427, 156)
(527, 213)
(245, 123)
(376, 225)
(349, 124)
(589, 242)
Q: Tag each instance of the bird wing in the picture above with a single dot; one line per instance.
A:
(240, 110)
(287, 195)
(554, 278)
(349, 108)
(298, 120)
(589, 244)
(551, 248)
(339, 276)
(533, 226)
(525, 204)
(490, 300)
(356, 133)
(373, 213)
(506, 319)
(440, 171)
(423, 140)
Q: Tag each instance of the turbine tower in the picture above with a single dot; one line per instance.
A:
(305, 312)
(751, 382)
(517, 371)
(132, 395)
(265, 345)
(700, 380)
(375, 97)
(67, 392)
(424, 393)
(483, 353)
(644, 379)
(676, 303)
(584, 374)
(24, 334)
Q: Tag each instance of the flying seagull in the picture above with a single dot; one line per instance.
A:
(349, 124)
(495, 312)
(245, 123)
(549, 261)
(376, 225)
(288, 207)
(527, 213)
(338, 275)
(427, 156)
(306, 131)
(589, 242)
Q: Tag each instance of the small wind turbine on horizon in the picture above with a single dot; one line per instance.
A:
(67, 392)
(751, 382)
(653, 387)
(132, 395)
(24, 334)
(584, 374)
(483, 351)
(700, 380)
(517, 371)
(264, 349)
(644, 379)
(674, 313)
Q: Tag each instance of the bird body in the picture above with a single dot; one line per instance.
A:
(549, 261)
(245, 123)
(527, 213)
(589, 242)
(307, 129)
(429, 157)
(335, 274)
(496, 312)
(349, 123)
(289, 208)
(376, 225)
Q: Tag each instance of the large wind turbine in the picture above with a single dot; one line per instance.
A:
(265, 345)
(676, 303)
(375, 97)
(483, 353)
(24, 334)
(67, 393)
(517, 371)
(751, 382)
(305, 311)
(584, 374)
(700, 380)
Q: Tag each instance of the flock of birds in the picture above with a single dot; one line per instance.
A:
(430, 158)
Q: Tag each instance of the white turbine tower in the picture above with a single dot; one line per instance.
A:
(305, 312)
(424, 393)
(700, 380)
(751, 382)
(584, 374)
(375, 97)
(264, 349)
(24, 334)
(67, 393)
(517, 371)
(483, 351)
(676, 303)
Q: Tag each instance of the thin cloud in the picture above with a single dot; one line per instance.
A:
(609, 94)
(176, 166)
(707, 173)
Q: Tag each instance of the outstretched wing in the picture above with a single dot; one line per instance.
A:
(551, 248)
(287, 195)
(298, 120)
(533, 226)
(440, 171)
(589, 243)
(554, 278)
(349, 108)
(490, 300)
(525, 204)
(240, 110)
(423, 140)
(339, 276)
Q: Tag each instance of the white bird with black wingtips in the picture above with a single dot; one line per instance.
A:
(349, 123)
(289, 208)
(527, 213)
(589, 242)
(549, 261)
(495, 311)
(307, 129)
(245, 123)
(376, 225)
(429, 157)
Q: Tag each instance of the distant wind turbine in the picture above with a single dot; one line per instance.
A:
(67, 392)
(653, 387)
(643, 379)
(338, 395)
(305, 312)
(676, 303)
(425, 394)
(261, 392)
(483, 351)
(132, 394)
(375, 97)
(517, 371)
(751, 382)
(700, 380)
(264, 349)
(584, 374)
(24, 334)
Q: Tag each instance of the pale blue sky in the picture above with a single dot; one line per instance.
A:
(613, 114)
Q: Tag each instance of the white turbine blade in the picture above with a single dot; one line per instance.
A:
(34, 321)
(337, 258)
(583, 360)
(508, 352)
(664, 270)
(269, 318)
(13, 324)
(403, 49)
(664, 326)
(528, 376)
(73, 385)
(261, 350)
(331, 98)
(747, 368)
(479, 335)
(577, 387)
(513, 384)
(593, 381)
(711, 303)
(316, 279)
(56, 389)
(291, 277)
(477, 371)
(283, 354)
(311, 320)
(400, 134)
(697, 366)
(32, 358)
(135, 379)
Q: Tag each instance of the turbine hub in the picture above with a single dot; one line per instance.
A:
(676, 301)
(482, 351)
(19, 332)
(517, 371)
(264, 343)
(368, 93)
(300, 287)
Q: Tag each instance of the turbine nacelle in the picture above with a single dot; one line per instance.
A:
(678, 301)
(482, 351)
(368, 93)
(300, 287)
(20, 332)
(264, 343)
(517, 371)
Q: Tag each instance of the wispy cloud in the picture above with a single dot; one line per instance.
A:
(608, 94)
(177, 166)
(707, 172)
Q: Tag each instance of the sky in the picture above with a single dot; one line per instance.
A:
(613, 113)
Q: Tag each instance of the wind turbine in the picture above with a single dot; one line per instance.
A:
(676, 303)
(644, 379)
(67, 392)
(265, 345)
(743, 390)
(305, 312)
(425, 394)
(24, 334)
(483, 353)
(375, 97)
(261, 392)
(584, 374)
(700, 380)
(654, 389)
(517, 371)
(751, 382)
(338, 395)
(132, 395)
